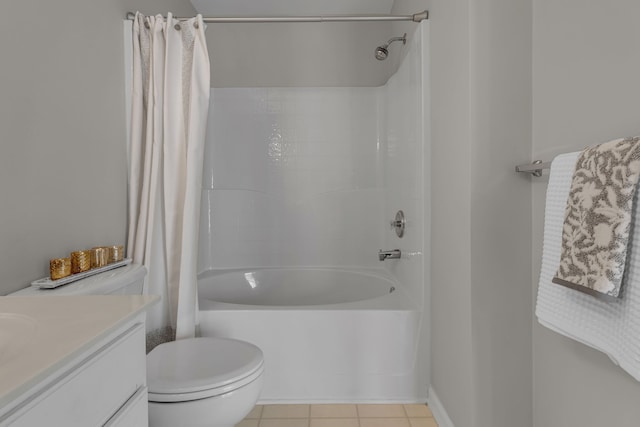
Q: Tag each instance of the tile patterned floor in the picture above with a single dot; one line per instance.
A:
(339, 416)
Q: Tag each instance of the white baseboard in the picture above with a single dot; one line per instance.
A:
(438, 411)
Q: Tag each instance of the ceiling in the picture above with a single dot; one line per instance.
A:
(291, 7)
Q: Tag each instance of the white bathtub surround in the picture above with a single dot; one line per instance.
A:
(300, 186)
(312, 176)
(292, 176)
(407, 182)
(403, 118)
(360, 349)
(167, 141)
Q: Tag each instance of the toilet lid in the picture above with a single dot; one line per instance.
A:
(198, 364)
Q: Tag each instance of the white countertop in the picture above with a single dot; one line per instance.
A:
(40, 334)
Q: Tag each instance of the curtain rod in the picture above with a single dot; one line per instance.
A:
(417, 17)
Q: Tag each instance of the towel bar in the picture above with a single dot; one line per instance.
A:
(534, 168)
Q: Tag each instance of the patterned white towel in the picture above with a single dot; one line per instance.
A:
(611, 327)
(597, 219)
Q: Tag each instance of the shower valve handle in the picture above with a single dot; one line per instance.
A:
(395, 223)
(398, 223)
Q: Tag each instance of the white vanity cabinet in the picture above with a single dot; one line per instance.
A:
(92, 372)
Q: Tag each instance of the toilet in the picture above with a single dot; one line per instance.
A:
(203, 382)
(213, 382)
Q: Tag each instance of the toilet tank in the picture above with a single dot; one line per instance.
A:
(127, 280)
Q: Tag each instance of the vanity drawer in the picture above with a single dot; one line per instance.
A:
(135, 413)
(90, 391)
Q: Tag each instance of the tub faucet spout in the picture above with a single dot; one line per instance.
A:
(393, 254)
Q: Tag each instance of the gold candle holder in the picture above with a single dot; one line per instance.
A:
(116, 253)
(99, 257)
(80, 261)
(59, 268)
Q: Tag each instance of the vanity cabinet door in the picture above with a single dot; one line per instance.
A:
(92, 390)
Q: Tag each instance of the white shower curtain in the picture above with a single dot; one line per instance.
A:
(170, 100)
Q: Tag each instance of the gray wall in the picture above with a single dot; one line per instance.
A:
(303, 54)
(581, 61)
(501, 211)
(62, 127)
(586, 91)
(481, 221)
(63, 175)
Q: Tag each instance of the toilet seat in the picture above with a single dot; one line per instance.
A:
(198, 368)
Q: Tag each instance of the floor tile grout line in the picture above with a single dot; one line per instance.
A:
(359, 419)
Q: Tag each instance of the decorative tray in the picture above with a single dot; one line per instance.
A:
(47, 283)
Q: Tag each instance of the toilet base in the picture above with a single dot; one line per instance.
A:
(224, 410)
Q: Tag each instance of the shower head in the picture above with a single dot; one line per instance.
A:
(382, 52)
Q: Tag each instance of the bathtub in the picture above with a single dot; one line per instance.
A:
(328, 335)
